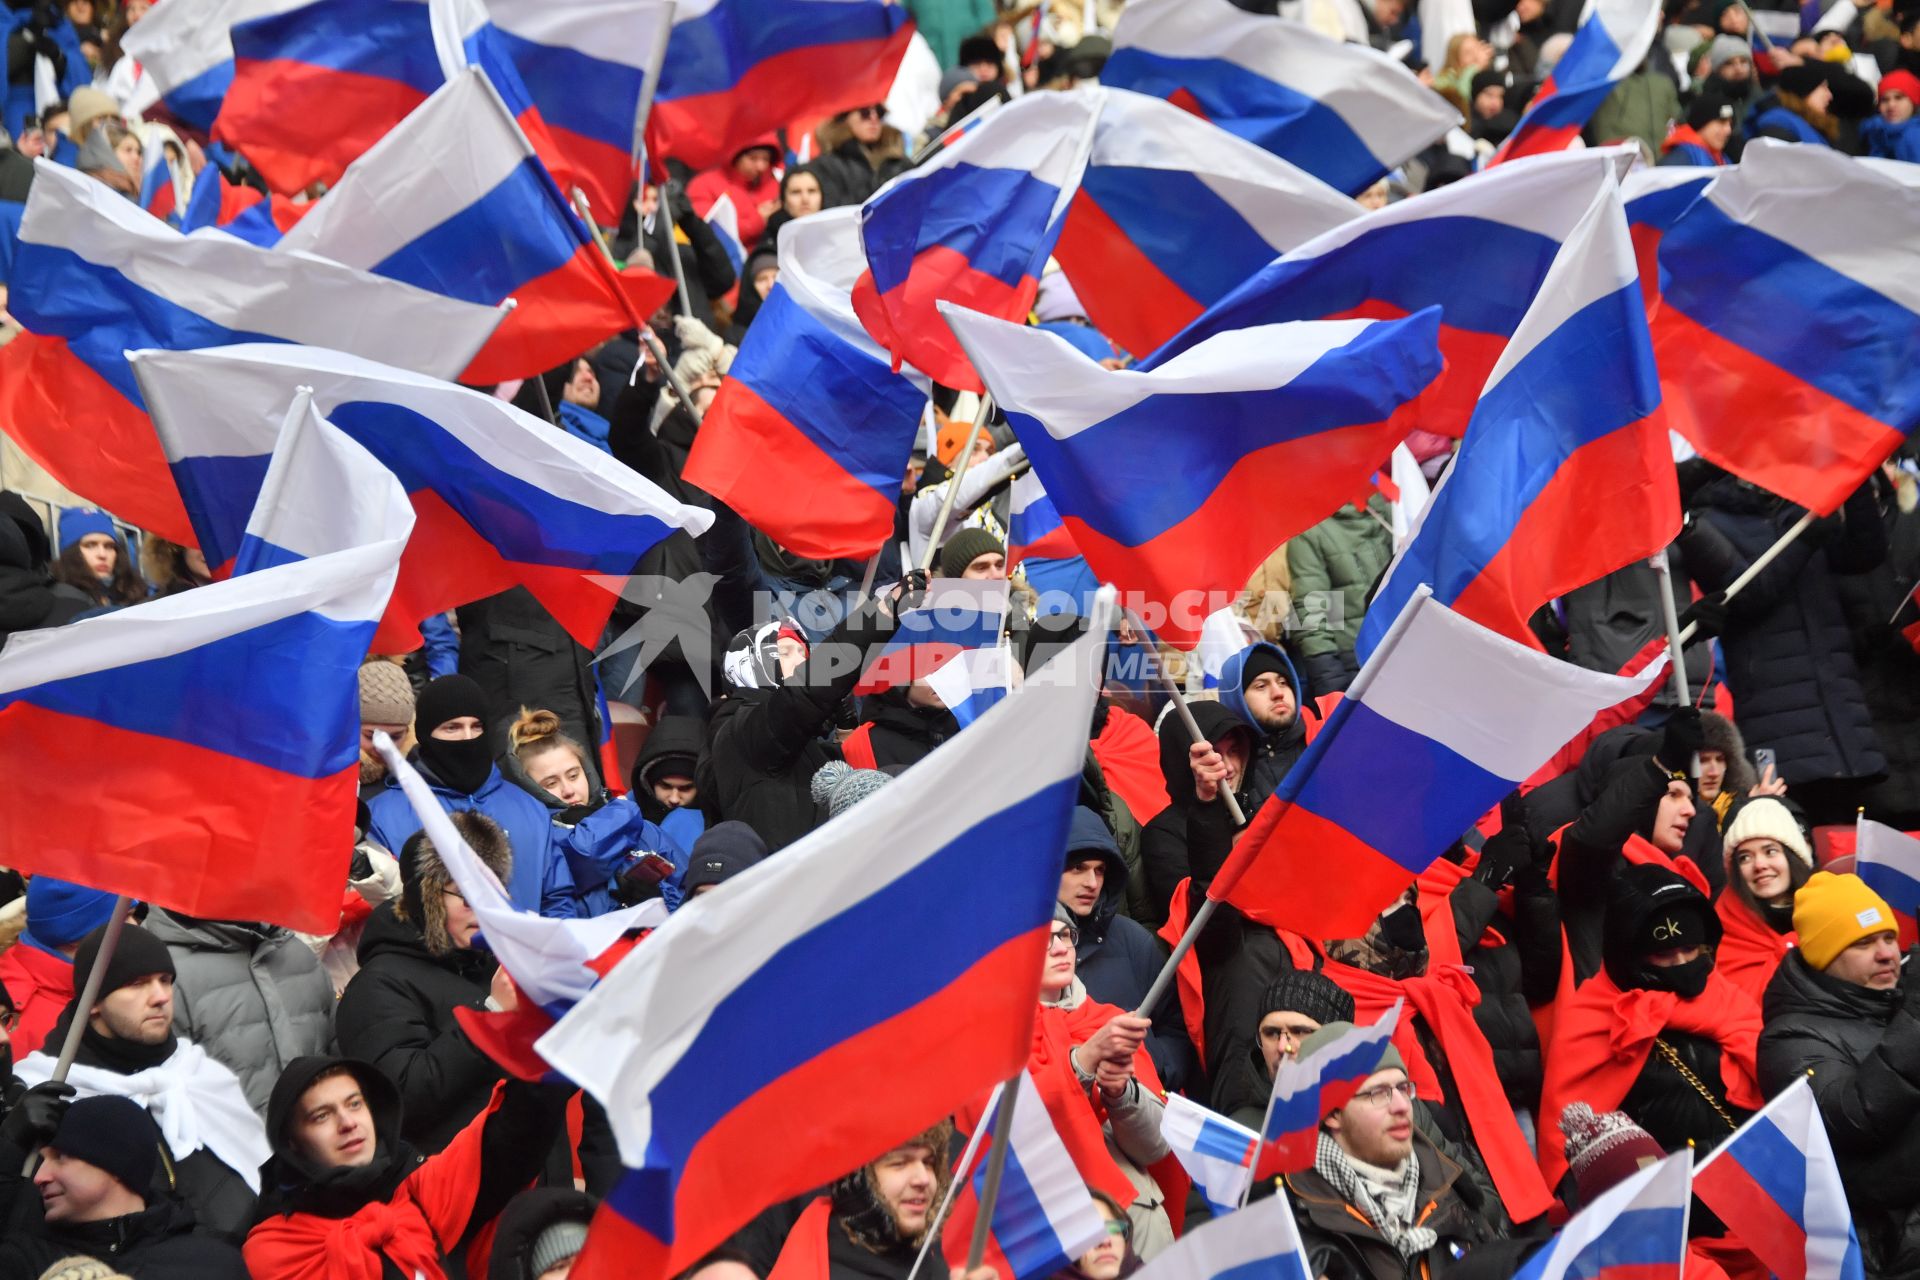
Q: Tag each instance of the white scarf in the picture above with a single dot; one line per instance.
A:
(194, 1100)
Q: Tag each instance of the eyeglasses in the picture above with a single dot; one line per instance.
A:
(9, 1019)
(1063, 934)
(1382, 1094)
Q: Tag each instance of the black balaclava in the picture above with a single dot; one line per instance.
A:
(464, 766)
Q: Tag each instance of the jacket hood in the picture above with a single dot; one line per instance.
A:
(836, 133)
(1638, 892)
(1215, 722)
(22, 520)
(287, 1173)
(891, 710)
(205, 935)
(1088, 835)
(522, 1221)
(1235, 701)
(386, 934)
(1724, 736)
(674, 736)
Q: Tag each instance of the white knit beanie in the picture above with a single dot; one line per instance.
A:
(1765, 817)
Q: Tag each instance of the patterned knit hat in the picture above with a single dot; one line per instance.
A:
(839, 786)
(1603, 1150)
(386, 695)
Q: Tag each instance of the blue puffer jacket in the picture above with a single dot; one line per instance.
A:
(605, 843)
(541, 880)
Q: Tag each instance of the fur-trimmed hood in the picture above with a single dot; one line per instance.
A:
(858, 1209)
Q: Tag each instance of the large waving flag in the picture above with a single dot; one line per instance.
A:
(1345, 113)
(1216, 1152)
(737, 69)
(1566, 471)
(503, 499)
(1655, 199)
(713, 1033)
(1259, 1242)
(1637, 1228)
(1043, 1218)
(1611, 41)
(237, 702)
(1179, 482)
(1774, 1183)
(187, 51)
(957, 616)
(973, 227)
(1889, 861)
(1306, 1090)
(455, 202)
(1805, 410)
(1477, 250)
(809, 436)
(1449, 714)
(95, 277)
(1172, 213)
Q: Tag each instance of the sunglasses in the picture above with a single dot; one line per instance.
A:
(865, 113)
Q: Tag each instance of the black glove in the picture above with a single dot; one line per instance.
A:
(33, 1120)
(1401, 929)
(1683, 739)
(361, 868)
(1708, 615)
(574, 814)
(907, 593)
(640, 879)
(1510, 849)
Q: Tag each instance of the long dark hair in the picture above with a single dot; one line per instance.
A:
(124, 586)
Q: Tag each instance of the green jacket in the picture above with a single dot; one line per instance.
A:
(1339, 558)
(1642, 106)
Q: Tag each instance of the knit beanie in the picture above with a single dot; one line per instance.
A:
(77, 522)
(839, 786)
(1707, 108)
(1831, 913)
(1765, 817)
(1802, 78)
(966, 546)
(59, 913)
(79, 1268)
(137, 954)
(448, 698)
(87, 105)
(722, 852)
(1313, 995)
(386, 695)
(1900, 81)
(112, 1133)
(1262, 658)
(1725, 49)
(559, 1243)
(1331, 1031)
(1603, 1150)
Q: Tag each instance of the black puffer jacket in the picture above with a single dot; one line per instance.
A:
(1503, 1014)
(1790, 656)
(902, 734)
(1890, 666)
(522, 657)
(1862, 1049)
(29, 599)
(397, 1013)
(156, 1243)
(525, 1217)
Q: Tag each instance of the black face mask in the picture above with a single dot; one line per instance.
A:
(1684, 980)
(465, 765)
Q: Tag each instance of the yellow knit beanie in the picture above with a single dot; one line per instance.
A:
(1831, 913)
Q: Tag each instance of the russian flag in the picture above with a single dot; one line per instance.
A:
(715, 1033)
(1889, 861)
(1655, 199)
(1477, 250)
(1636, 1230)
(1345, 113)
(96, 277)
(1043, 1218)
(957, 615)
(1177, 483)
(1775, 1185)
(809, 436)
(1611, 41)
(1806, 410)
(1034, 527)
(163, 191)
(1216, 1153)
(454, 201)
(239, 210)
(502, 498)
(724, 220)
(187, 51)
(1447, 716)
(1259, 1242)
(236, 702)
(1173, 213)
(1222, 635)
(973, 227)
(554, 963)
(973, 682)
(738, 69)
(1566, 470)
(1307, 1090)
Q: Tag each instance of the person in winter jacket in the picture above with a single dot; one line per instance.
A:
(899, 727)
(870, 1224)
(1259, 685)
(800, 195)
(720, 855)
(860, 153)
(348, 1195)
(520, 656)
(1116, 957)
(215, 1144)
(386, 706)
(1657, 1033)
(37, 971)
(1298, 1004)
(1639, 107)
(750, 180)
(1893, 135)
(708, 271)
(1334, 566)
(458, 764)
(1164, 847)
(1841, 1014)
(417, 966)
(541, 1232)
(1726, 775)
(92, 1195)
(252, 995)
(1702, 140)
(29, 599)
(1797, 110)
(1768, 860)
(93, 558)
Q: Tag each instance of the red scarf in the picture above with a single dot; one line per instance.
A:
(1444, 999)
(804, 1255)
(1749, 951)
(1129, 756)
(425, 1218)
(1602, 1038)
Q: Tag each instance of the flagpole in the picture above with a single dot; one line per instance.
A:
(647, 335)
(996, 1166)
(1753, 570)
(960, 1173)
(89, 994)
(665, 190)
(1675, 658)
(1185, 713)
(953, 486)
(649, 85)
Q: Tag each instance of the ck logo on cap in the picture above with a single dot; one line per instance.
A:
(1666, 931)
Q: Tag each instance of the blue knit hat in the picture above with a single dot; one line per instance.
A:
(77, 522)
(59, 914)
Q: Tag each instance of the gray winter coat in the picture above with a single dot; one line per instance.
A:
(254, 996)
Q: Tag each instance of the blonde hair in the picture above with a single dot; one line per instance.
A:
(535, 731)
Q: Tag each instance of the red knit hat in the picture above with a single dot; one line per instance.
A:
(1901, 82)
(1604, 1150)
